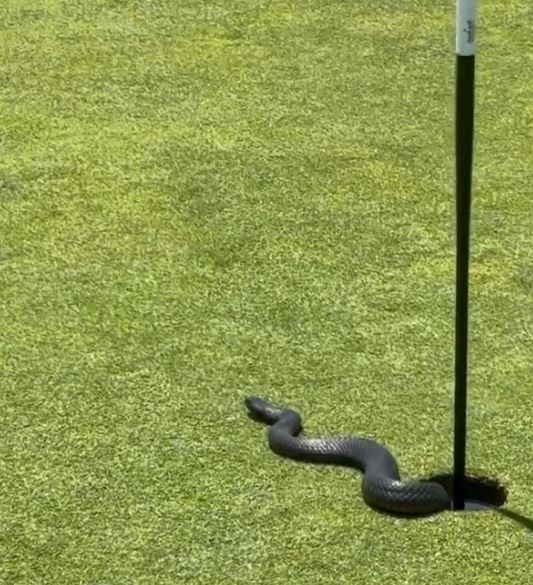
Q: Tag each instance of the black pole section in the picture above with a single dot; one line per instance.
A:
(464, 142)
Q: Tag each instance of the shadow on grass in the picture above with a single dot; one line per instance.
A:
(526, 522)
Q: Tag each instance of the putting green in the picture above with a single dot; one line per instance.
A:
(199, 201)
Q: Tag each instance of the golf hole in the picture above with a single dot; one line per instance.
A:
(481, 493)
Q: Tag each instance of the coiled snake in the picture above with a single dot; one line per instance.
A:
(382, 487)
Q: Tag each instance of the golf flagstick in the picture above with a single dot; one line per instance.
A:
(464, 139)
(382, 488)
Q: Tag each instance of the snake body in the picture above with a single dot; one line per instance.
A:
(382, 487)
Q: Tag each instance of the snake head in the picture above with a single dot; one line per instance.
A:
(262, 411)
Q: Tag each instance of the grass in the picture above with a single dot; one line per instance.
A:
(199, 201)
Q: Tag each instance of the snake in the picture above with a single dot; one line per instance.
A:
(382, 488)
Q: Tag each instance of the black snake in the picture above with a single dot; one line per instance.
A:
(382, 487)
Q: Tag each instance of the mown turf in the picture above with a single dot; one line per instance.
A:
(201, 200)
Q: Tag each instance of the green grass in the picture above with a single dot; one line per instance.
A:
(201, 200)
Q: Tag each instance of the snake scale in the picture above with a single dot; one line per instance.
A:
(382, 487)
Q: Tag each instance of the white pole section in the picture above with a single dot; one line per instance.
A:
(466, 28)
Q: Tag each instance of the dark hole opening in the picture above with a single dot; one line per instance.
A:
(480, 491)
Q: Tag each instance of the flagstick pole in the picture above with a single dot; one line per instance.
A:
(464, 135)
